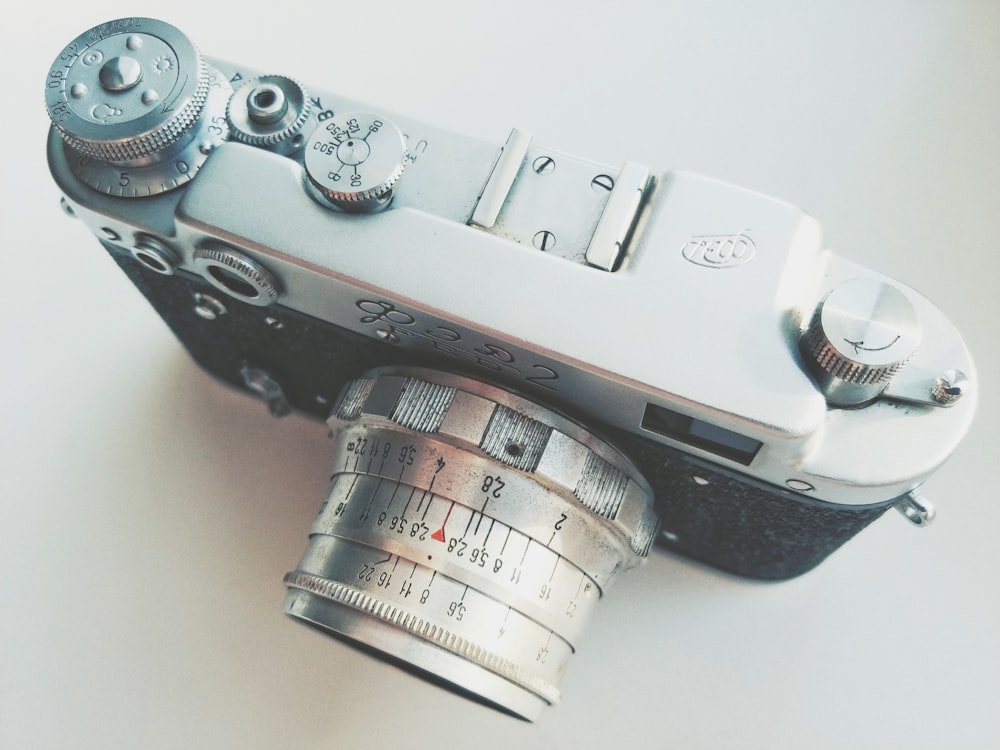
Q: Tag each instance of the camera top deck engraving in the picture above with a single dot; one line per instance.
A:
(720, 250)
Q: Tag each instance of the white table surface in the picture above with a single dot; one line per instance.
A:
(147, 513)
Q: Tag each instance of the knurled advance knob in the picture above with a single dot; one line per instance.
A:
(127, 89)
(354, 161)
(860, 336)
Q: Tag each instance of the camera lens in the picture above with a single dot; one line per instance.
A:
(467, 532)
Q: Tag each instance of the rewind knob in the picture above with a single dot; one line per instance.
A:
(860, 336)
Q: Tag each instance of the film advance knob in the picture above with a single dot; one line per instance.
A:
(860, 336)
(354, 161)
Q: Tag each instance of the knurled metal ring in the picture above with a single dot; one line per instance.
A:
(127, 119)
(236, 274)
(516, 432)
(268, 110)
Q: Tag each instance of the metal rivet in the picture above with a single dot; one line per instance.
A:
(388, 336)
(67, 208)
(669, 536)
(274, 323)
(111, 234)
(603, 182)
(544, 165)
(208, 307)
(700, 481)
(544, 240)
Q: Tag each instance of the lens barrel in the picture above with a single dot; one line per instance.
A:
(467, 532)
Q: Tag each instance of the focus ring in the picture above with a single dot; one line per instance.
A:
(441, 637)
(505, 427)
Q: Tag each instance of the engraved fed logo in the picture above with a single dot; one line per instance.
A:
(720, 250)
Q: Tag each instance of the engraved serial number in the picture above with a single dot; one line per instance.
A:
(396, 326)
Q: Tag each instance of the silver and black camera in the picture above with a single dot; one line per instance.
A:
(534, 367)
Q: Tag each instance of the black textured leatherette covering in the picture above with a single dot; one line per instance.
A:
(726, 520)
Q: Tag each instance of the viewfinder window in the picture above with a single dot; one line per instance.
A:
(700, 434)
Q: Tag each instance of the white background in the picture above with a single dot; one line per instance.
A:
(147, 513)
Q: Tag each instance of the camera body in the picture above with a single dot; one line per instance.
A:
(776, 396)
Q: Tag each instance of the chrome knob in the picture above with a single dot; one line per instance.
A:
(860, 336)
(134, 102)
(355, 160)
(127, 89)
(270, 112)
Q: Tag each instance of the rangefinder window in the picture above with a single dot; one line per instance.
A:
(699, 434)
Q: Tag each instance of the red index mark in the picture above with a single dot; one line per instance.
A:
(439, 534)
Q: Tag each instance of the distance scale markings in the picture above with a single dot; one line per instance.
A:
(464, 544)
(548, 514)
(437, 608)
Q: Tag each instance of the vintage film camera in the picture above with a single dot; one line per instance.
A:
(533, 366)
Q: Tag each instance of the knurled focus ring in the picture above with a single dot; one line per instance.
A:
(515, 432)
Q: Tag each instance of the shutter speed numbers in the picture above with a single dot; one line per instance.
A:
(355, 160)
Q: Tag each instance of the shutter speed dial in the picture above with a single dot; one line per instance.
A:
(859, 338)
(354, 161)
